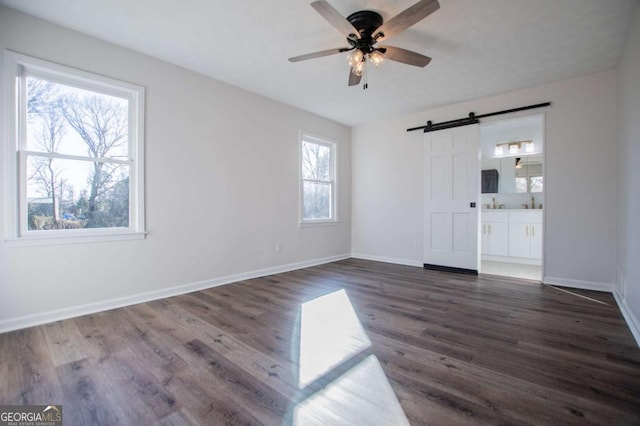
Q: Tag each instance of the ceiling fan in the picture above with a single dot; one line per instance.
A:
(364, 29)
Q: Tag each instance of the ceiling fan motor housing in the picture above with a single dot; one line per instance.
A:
(366, 22)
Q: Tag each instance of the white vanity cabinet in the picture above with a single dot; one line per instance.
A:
(525, 234)
(495, 233)
(512, 236)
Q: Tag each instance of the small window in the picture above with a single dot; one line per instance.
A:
(317, 164)
(529, 174)
(78, 149)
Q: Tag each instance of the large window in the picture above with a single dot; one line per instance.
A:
(75, 153)
(317, 164)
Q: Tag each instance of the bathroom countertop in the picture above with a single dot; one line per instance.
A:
(512, 210)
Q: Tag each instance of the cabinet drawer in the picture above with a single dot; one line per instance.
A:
(526, 217)
(495, 217)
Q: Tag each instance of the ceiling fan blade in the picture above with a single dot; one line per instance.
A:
(319, 54)
(407, 18)
(405, 56)
(354, 79)
(334, 17)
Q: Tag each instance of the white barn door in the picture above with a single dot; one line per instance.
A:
(451, 202)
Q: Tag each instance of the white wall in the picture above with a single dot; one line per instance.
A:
(580, 224)
(629, 180)
(221, 187)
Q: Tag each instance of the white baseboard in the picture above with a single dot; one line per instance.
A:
(629, 317)
(397, 261)
(584, 285)
(17, 323)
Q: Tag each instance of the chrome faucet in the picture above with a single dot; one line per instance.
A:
(533, 203)
(493, 205)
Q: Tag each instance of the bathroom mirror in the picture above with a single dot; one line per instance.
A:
(509, 175)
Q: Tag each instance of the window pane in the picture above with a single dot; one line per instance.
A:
(317, 200)
(521, 184)
(71, 194)
(72, 121)
(536, 184)
(316, 161)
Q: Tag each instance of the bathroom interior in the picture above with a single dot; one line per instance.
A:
(512, 198)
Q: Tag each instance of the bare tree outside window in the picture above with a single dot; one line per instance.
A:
(77, 158)
(317, 181)
(39, 95)
(49, 129)
(102, 124)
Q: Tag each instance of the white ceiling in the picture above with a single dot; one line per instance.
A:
(479, 47)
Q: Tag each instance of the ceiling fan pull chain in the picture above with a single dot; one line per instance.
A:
(365, 86)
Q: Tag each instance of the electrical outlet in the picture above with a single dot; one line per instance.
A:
(278, 247)
(416, 243)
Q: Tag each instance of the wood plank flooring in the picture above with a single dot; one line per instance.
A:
(450, 349)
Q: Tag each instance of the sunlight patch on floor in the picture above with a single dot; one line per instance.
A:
(330, 334)
(361, 396)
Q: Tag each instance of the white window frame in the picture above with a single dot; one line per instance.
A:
(307, 137)
(17, 67)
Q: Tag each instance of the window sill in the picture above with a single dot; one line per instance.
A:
(72, 239)
(315, 223)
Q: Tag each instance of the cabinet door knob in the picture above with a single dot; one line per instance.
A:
(526, 231)
(489, 228)
(533, 230)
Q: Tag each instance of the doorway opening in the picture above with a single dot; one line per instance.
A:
(512, 196)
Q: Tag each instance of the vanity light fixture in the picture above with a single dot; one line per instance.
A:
(513, 147)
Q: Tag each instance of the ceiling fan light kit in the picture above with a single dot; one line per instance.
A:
(364, 29)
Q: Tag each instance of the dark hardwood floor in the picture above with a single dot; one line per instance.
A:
(451, 349)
